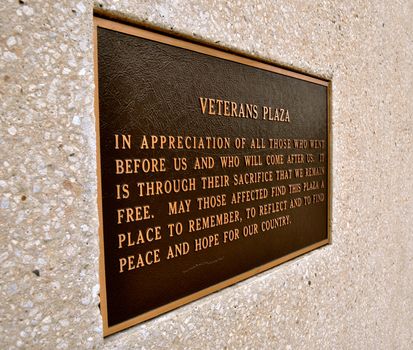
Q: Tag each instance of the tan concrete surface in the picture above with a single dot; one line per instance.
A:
(354, 294)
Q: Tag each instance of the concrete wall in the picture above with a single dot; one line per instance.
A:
(354, 294)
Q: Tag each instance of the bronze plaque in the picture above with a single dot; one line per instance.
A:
(212, 167)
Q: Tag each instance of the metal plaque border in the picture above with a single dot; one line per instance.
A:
(201, 48)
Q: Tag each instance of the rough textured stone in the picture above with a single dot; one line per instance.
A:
(354, 294)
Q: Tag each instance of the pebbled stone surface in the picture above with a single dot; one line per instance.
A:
(354, 294)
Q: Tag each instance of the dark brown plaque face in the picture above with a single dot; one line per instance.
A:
(212, 168)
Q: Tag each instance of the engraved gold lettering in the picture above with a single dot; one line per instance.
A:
(316, 171)
(257, 144)
(231, 235)
(253, 160)
(271, 224)
(220, 103)
(126, 142)
(277, 114)
(311, 186)
(241, 112)
(178, 249)
(203, 101)
(249, 195)
(215, 181)
(234, 109)
(129, 263)
(138, 213)
(274, 159)
(132, 166)
(277, 191)
(252, 178)
(152, 188)
(211, 105)
(179, 207)
(295, 188)
(295, 158)
(271, 208)
(249, 110)
(229, 161)
(210, 202)
(255, 108)
(142, 236)
(250, 230)
(280, 143)
(122, 191)
(202, 163)
(203, 223)
(226, 108)
(206, 242)
(264, 112)
(283, 174)
(184, 142)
